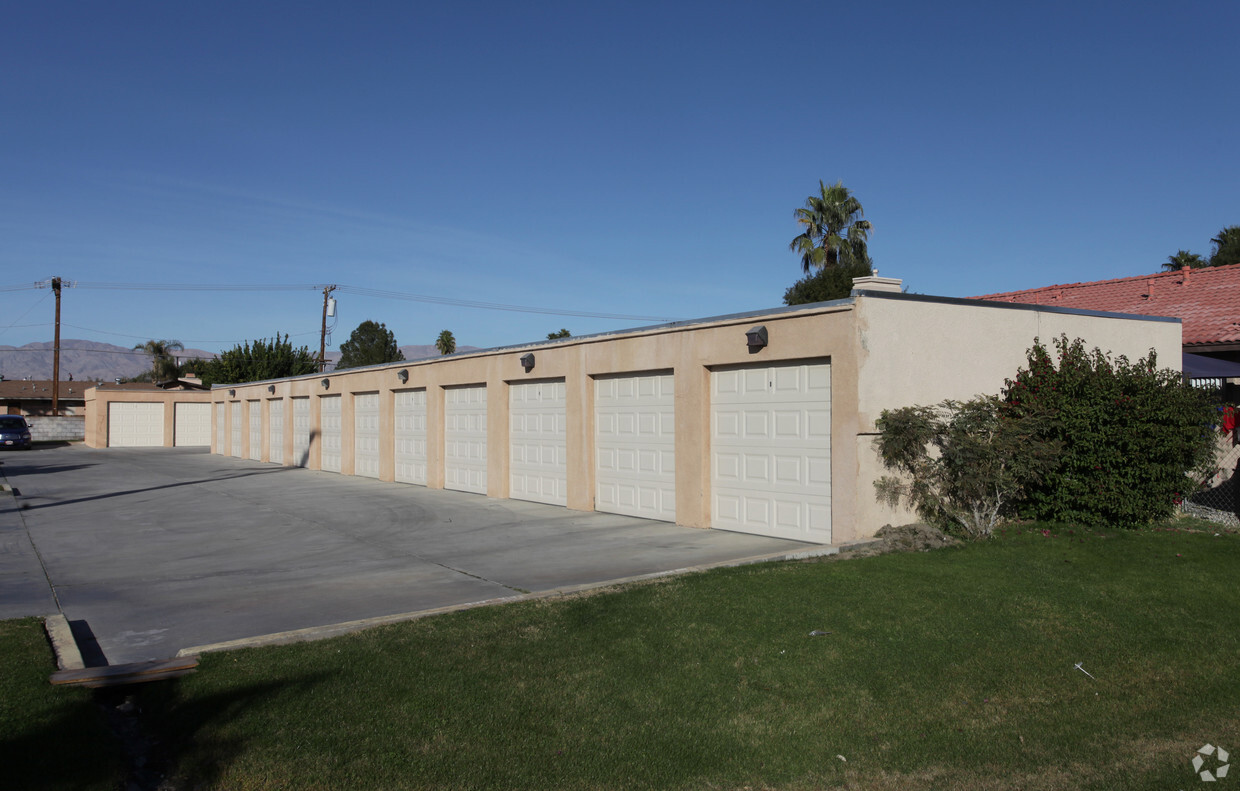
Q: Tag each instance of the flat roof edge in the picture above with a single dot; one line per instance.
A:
(1013, 306)
(813, 307)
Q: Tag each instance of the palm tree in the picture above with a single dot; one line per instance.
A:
(1226, 247)
(164, 365)
(833, 231)
(445, 343)
(1182, 259)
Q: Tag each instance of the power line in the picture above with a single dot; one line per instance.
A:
(359, 291)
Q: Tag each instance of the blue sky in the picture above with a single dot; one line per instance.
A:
(641, 159)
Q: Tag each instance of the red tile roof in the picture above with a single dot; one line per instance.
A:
(1207, 301)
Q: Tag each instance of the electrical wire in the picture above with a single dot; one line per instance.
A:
(365, 292)
(32, 307)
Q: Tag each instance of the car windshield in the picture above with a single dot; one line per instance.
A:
(10, 422)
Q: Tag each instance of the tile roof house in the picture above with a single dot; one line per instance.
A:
(34, 397)
(1207, 301)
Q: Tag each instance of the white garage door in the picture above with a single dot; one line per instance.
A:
(221, 435)
(410, 436)
(275, 431)
(366, 435)
(329, 420)
(191, 425)
(235, 429)
(771, 450)
(635, 422)
(133, 425)
(301, 431)
(256, 429)
(537, 442)
(465, 439)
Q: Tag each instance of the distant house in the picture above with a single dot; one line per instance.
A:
(33, 397)
(1207, 301)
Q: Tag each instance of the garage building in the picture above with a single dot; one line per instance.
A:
(760, 422)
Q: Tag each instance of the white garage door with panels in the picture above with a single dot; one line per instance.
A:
(235, 429)
(635, 444)
(191, 425)
(256, 429)
(771, 450)
(409, 412)
(220, 434)
(329, 418)
(366, 435)
(275, 431)
(301, 431)
(537, 414)
(465, 439)
(133, 425)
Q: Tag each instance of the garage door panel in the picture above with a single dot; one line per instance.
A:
(191, 425)
(256, 429)
(410, 436)
(366, 435)
(275, 431)
(135, 425)
(301, 430)
(538, 441)
(772, 476)
(221, 435)
(330, 419)
(465, 439)
(635, 459)
(235, 433)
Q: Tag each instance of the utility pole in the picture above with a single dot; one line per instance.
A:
(56, 352)
(323, 332)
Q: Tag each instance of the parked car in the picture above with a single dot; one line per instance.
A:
(14, 432)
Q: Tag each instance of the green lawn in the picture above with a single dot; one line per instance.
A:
(950, 669)
(50, 737)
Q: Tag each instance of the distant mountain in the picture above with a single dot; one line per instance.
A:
(105, 362)
(83, 360)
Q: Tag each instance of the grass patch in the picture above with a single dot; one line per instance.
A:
(50, 737)
(952, 669)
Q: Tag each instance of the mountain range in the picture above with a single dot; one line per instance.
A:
(104, 362)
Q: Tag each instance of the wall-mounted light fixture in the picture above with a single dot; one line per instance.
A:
(326, 383)
(527, 361)
(403, 375)
(271, 388)
(755, 338)
(232, 392)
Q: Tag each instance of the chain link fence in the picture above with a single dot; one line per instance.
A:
(1219, 498)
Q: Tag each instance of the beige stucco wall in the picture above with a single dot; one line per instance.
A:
(688, 351)
(885, 351)
(922, 352)
(98, 399)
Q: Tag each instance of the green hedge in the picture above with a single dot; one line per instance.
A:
(1133, 436)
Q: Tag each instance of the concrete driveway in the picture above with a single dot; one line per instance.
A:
(156, 550)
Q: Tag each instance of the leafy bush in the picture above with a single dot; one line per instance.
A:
(265, 359)
(962, 464)
(1130, 433)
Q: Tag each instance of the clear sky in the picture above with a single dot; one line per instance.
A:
(628, 158)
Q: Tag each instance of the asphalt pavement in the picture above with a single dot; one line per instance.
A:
(154, 550)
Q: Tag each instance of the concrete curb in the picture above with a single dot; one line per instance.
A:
(68, 657)
(334, 630)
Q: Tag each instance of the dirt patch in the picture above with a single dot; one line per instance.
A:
(904, 538)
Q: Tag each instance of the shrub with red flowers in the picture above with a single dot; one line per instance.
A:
(1131, 434)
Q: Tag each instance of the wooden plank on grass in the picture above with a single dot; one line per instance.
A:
(133, 673)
